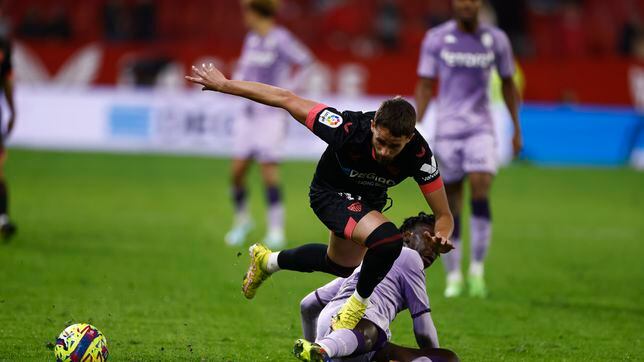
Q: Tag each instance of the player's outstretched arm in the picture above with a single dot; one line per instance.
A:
(437, 201)
(212, 79)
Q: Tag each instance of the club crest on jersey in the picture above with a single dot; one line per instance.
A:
(330, 119)
(355, 207)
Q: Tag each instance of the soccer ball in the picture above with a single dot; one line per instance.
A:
(81, 342)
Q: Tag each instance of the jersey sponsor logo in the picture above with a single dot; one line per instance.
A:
(259, 58)
(430, 168)
(372, 177)
(467, 60)
(355, 207)
(330, 119)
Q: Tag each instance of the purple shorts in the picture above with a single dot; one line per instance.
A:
(459, 156)
(260, 133)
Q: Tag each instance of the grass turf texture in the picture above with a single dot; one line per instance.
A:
(133, 245)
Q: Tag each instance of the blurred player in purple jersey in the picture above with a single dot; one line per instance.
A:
(460, 54)
(403, 288)
(270, 55)
(367, 153)
(7, 228)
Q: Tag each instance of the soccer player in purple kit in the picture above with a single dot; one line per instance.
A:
(271, 55)
(367, 153)
(460, 55)
(404, 287)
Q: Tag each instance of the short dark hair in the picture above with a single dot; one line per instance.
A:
(264, 8)
(396, 115)
(421, 219)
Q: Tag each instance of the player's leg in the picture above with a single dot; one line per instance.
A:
(449, 153)
(7, 229)
(452, 260)
(364, 338)
(275, 214)
(480, 229)
(242, 222)
(480, 165)
(384, 244)
(273, 126)
(393, 352)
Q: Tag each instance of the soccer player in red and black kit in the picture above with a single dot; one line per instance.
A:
(367, 154)
(7, 229)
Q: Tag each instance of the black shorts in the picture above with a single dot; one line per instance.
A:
(341, 212)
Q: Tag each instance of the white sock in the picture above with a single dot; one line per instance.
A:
(4, 219)
(476, 268)
(360, 298)
(272, 266)
(455, 276)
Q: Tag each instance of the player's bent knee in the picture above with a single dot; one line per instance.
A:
(385, 237)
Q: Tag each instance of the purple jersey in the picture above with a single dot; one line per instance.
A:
(462, 62)
(403, 288)
(270, 59)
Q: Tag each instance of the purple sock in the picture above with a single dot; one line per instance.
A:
(239, 198)
(341, 343)
(452, 260)
(481, 229)
(275, 208)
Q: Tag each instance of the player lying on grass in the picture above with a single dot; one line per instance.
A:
(403, 288)
(367, 154)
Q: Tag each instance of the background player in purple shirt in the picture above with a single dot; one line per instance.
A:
(403, 288)
(367, 153)
(271, 55)
(460, 54)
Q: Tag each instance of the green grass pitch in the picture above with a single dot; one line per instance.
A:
(133, 244)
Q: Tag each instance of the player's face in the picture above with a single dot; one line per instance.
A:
(415, 240)
(386, 146)
(250, 18)
(466, 10)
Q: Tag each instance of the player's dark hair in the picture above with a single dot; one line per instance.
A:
(421, 219)
(264, 8)
(396, 115)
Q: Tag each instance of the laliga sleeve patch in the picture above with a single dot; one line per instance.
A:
(330, 119)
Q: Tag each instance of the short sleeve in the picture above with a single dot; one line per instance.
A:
(429, 61)
(292, 49)
(504, 58)
(425, 168)
(414, 287)
(332, 126)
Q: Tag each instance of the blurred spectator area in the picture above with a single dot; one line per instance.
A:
(538, 28)
(555, 40)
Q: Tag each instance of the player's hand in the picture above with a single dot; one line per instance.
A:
(208, 76)
(517, 143)
(438, 243)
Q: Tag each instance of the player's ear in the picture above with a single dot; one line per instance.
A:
(373, 125)
(407, 236)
